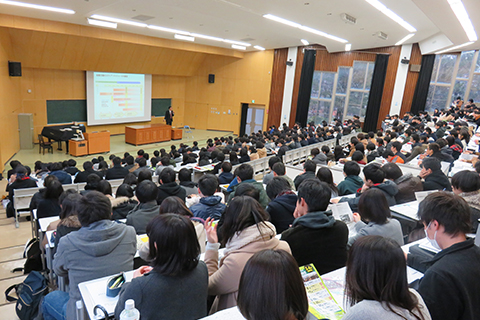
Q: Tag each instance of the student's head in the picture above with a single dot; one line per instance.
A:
(167, 175)
(241, 213)
(146, 191)
(271, 287)
(92, 181)
(314, 152)
(377, 271)
(430, 165)
(324, 174)
(370, 146)
(116, 161)
(53, 190)
(69, 202)
(357, 156)
(273, 160)
(247, 189)
(142, 162)
(140, 152)
(447, 210)
(92, 207)
(351, 168)
(49, 179)
(175, 205)
(313, 195)
(124, 190)
(465, 181)
(373, 206)
(173, 244)
(87, 165)
(433, 148)
(184, 175)
(104, 187)
(373, 174)
(279, 169)
(208, 184)
(396, 146)
(226, 167)
(276, 186)
(15, 163)
(244, 172)
(130, 179)
(129, 160)
(325, 149)
(392, 171)
(144, 174)
(71, 163)
(309, 165)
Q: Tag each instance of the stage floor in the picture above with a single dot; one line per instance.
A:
(117, 147)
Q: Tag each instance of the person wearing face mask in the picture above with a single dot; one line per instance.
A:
(451, 283)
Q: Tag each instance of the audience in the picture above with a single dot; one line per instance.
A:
(433, 176)
(124, 202)
(18, 180)
(407, 184)
(210, 205)
(279, 171)
(244, 175)
(226, 176)
(325, 175)
(117, 171)
(271, 162)
(56, 169)
(466, 184)
(50, 205)
(352, 181)
(88, 170)
(282, 203)
(309, 168)
(168, 187)
(146, 193)
(185, 181)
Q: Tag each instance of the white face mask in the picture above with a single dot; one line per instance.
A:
(433, 241)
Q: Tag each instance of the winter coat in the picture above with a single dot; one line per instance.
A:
(170, 189)
(208, 207)
(407, 186)
(281, 211)
(349, 185)
(473, 200)
(437, 181)
(141, 215)
(121, 206)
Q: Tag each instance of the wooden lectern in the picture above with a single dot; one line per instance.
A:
(78, 148)
(177, 134)
(98, 142)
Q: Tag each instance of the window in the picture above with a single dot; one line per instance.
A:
(321, 96)
(360, 88)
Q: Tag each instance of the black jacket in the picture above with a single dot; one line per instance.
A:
(302, 177)
(48, 208)
(437, 181)
(117, 172)
(443, 156)
(389, 189)
(82, 176)
(170, 189)
(281, 211)
(450, 286)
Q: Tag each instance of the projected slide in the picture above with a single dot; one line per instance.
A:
(118, 97)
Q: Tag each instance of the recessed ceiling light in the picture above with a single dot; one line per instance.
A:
(240, 43)
(281, 20)
(404, 39)
(234, 46)
(456, 47)
(184, 37)
(197, 35)
(459, 9)
(132, 23)
(259, 48)
(348, 47)
(36, 6)
(305, 42)
(150, 26)
(101, 23)
(392, 15)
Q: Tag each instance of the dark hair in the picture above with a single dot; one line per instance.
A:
(273, 160)
(167, 175)
(434, 147)
(351, 168)
(124, 190)
(325, 149)
(431, 163)
(92, 207)
(271, 287)
(146, 191)
(116, 161)
(71, 163)
(241, 213)
(69, 205)
(397, 145)
(144, 174)
(103, 165)
(276, 186)
(92, 182)
(314, 152)
(374, 172)
(370, 146)
(316, 194)
(377, 270)
(48, 179)
(338, 153)
(175, 205)
(53, 190)
(324, 174)
(279, 168)
(357, 156)
(185, 175)
(140, 152)
(244, 172)
(451, 211)
(309, 165)
(392, 171)
(173, 244)
(87, 165)
(247, 189)
(142, 162)
(466, 181)
(373, 206)
(105, 187)
(130, 179)
(129, 160)
(226, 167)
(208, 184)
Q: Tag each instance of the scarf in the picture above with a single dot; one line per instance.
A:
(472, 198)
(258, 232)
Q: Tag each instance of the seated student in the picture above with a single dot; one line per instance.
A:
(374, 178)
(326, 151)
(147, 209)
(185, 178)
(407, 184)
(352, 181)
(50, 206)
(56, 169)
(92, 183)
(226, 176)
(325, 175)
(244, 232)
(309, 168)
(282, 203)
(40, 194)
(433, 151)
(210, 205)
(396, 148)
(466, 184)
(124, 202)
(244, 155)
(271, 162)
(315, 236)
(100, 248)
(142, 165)
(376, 285)
(419, 149)
(88, 169)
(317, 156)
(244, 175)
(373, 209)
(450, 285)
(164, 163)
(71, 168)
(358, 157)
(144, 175)
(433, 176)
(391, 157)
(130, 163)
(372, 153)
(117, 171)
(218, 166)
(168, 187)
(279, 171)
(175, 286)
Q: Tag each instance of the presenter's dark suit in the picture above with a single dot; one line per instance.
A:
(169, 117)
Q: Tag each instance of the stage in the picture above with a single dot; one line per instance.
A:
(117, 147)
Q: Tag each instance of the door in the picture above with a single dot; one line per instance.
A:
(254, 117)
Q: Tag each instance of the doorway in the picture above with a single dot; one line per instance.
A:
(252, 118)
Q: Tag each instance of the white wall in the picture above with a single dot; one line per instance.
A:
(400, 80)
(288, 85)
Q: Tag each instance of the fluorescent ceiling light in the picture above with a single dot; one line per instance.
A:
(132, 23)
(459, 9)
(240, 43)
(304, 28)
(36, 6)
(456, 47)
(305, 42)
(234, 46)
(392, 15)
(259, 48)
(404, 39)
(101, 23)
(348, 47)
(196, 35)
(168, 30)
(184, 37)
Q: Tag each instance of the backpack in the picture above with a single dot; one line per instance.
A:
(33, 254)
(30, 293)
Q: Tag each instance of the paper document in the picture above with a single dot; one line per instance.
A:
(409, 209)
(420, 195)
(342, 212)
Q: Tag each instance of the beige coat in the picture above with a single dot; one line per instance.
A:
(224, 277)
(262, 153)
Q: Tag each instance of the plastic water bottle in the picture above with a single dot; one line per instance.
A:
(130, 313)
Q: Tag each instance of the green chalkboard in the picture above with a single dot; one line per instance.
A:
(65, 111)
(160, 106)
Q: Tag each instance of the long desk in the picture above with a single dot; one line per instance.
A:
(148, 134)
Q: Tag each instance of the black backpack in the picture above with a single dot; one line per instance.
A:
(33, 254)
(30, 293)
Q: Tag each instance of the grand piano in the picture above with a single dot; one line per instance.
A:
(62, 133)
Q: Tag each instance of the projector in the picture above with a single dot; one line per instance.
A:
(382, 35)
(348, 18)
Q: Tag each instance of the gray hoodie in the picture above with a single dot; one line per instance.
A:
(99, 250)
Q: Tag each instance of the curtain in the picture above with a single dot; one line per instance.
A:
(423, 84)
(376, 93)
(305, 89)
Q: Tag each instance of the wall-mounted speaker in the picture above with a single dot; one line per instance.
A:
(211, 78)
(14, 69)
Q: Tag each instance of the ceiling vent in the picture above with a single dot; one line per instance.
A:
(382, 35)
(348, 18)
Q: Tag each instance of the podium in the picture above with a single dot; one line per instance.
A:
(148, 133)
(78, 147)
(98, 142)
(177, 134)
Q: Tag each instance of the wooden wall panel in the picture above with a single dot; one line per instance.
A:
(277, 88)
(412, 78)
(296, 85)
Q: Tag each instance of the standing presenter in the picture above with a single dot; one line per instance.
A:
(169, 116)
